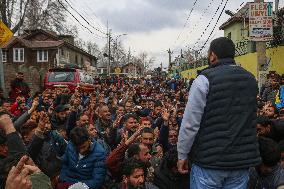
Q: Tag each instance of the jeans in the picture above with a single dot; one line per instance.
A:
(202, 178)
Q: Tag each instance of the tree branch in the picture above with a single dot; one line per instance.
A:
(3, 12)
(21, 21)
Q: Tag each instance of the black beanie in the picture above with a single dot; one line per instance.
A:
(223, 47)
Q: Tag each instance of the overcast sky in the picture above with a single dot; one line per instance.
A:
(153, 25)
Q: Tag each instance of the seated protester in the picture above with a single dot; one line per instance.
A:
(115, 160)
(157, 155)
(83, 161)
(60, 116)
(128, 107)
(47, 147)
(168, 136)
(27, 131)
(19, 107)
(270, 129)
(147, 137)
(156, 115)
(151, 105)
(94, 136)
(143, 111)
(44, 102)
(119, 112)
(270, 111)
(130, 126)
(6, 106)
(82, 120)
(269, 173)
(12, 147)
(145, 122)
(179, 117)
(281, 147)
(134, 172)
(62, 132)
(104, 126)
(167, 175)
(281, 114)
(20, 121)
(74, 119)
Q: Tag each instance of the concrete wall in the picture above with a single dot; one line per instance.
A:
(274, 55)
(237, 32)
(192, 73)
(33, 76)
(249, 62)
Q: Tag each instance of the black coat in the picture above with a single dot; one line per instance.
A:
(164, 178)
(16, 150)
(227, 138)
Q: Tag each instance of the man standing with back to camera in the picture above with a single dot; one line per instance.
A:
(218, 129)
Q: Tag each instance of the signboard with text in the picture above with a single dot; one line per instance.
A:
(261, 21)
(5, 34)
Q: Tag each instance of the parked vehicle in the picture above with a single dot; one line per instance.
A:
(69, 77)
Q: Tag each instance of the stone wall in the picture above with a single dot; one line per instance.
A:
(33, 76)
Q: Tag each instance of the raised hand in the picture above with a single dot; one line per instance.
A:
(34, 106)
(166, 115)
(117, 121)
(18, 176)
(134, 137)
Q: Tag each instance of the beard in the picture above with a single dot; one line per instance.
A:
(208, 61)
(130, 186)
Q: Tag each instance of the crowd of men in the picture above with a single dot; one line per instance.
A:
(124, 135)
(119, 136)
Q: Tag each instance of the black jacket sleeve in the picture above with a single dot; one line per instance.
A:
(71, 122)
(21, 120)
(15, 144)
(35, 147)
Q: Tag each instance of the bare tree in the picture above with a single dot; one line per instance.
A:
(80, 43)
(13, 13)
(48, 15)
(93, 48)
(146, 60)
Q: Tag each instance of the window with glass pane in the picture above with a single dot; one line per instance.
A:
(42, 55)
(4, 56)
(18, 55)
(45, 55)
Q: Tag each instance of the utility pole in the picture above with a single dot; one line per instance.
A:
(161, 68)
(2, 85)
(170, 58)
(261, 55)
(109, 53)
(276, 5)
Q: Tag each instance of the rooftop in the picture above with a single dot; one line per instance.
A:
(242, 14)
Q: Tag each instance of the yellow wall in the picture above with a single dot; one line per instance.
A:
(192, 73)
(236, 32)
(277, 59)
(249, 62)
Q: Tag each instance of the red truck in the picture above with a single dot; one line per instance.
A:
(69, 77)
